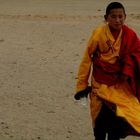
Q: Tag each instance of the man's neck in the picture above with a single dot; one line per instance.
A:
(114, 32)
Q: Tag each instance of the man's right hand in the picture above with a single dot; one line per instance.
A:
(83, 93)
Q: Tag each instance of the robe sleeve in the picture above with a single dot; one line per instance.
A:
(132, 61)
(133, 56)
(85, 65)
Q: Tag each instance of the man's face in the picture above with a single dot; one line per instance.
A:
(116, 18)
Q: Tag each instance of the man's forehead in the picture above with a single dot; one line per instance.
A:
(116, 11)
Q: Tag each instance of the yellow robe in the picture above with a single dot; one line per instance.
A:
(127, 105)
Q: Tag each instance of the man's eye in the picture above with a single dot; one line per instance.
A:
(113, 16)
(120, 16)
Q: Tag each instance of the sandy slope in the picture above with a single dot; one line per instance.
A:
(41, 45)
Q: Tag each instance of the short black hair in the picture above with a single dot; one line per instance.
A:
(114, 5)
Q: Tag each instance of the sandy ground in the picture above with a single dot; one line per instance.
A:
(41, 45)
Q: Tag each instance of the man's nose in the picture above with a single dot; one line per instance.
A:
(118, 19)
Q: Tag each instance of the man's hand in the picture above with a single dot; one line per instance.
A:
(82, 93)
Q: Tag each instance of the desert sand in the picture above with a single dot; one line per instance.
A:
(41, 46)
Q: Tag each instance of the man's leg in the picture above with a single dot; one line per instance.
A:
(117, 126)
(113, 132)
(101, 123)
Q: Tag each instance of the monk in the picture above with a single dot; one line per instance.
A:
(112, 58)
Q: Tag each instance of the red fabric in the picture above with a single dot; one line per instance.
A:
(106, 73)
(130, 54)
(128, 63)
